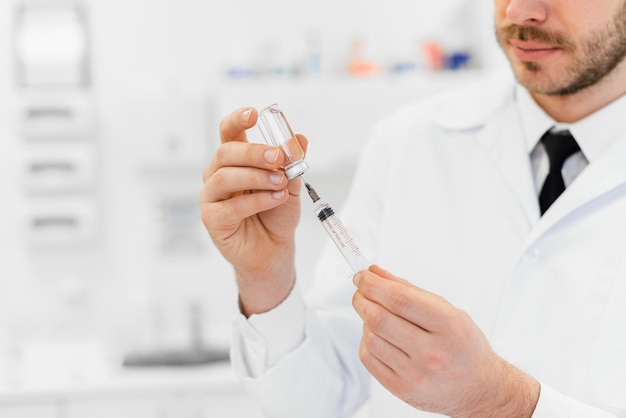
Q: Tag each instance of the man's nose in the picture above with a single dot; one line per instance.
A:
(527, 12)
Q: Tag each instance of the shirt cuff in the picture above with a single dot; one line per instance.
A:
(262, 340)
(553, 404)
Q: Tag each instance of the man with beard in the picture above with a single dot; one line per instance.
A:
(508, 293)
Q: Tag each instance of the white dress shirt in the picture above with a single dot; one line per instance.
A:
(307, 350)
(535, 122)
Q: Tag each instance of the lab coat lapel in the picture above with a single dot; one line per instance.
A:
(495, 124)
(597, 179)
(508, 151)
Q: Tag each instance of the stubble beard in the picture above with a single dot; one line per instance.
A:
(595, 57)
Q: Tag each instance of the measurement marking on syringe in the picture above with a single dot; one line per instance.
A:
(343, 238)
(338, 233)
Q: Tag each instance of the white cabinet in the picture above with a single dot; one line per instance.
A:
(25, 411)
(175, 406)
(233, 407)
(205, 392)
(114, 408)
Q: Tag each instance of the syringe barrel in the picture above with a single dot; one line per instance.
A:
(340, 236)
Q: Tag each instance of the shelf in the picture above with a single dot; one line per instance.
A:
(336, 114)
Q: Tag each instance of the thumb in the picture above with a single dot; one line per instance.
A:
(233, 127)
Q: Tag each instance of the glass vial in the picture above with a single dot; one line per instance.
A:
(277, 132)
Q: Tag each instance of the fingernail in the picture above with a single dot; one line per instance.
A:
(245, 116)
(271, 155)
(277, 177)
(356, 279)
(278, 195)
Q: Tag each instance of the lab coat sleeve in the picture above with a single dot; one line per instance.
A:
(310, 380)
(283, 326)
(553, 404)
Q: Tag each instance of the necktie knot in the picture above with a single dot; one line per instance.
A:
(559, 146)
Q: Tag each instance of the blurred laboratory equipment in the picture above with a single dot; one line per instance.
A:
(56, 122)
(51, 44)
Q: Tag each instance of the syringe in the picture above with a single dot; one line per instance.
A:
(338, 233)
(277, 132)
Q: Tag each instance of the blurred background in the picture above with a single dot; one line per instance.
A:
(113, 301)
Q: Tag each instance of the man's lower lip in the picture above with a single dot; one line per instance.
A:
(533, 55)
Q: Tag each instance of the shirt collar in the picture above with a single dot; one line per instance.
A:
(608, 121)
(535, 122)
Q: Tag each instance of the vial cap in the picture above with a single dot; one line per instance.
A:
(296, 169)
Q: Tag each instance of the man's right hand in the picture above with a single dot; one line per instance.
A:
(251, 211)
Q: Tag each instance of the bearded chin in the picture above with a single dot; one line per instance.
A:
(531, 66)
(594, 57)
(581, 75)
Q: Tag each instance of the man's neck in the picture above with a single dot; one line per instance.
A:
(571, 108)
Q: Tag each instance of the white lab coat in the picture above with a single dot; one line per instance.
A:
(445, 197)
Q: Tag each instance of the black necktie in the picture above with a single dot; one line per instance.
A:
(559, 146)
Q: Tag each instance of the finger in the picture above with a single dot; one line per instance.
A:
(226, 214)
(418, 306)
(382, 350)
(233, 127)
(230, 181)
(303, 141)
(243, 154)
(393, 329)
(376, 269)
(378, 368)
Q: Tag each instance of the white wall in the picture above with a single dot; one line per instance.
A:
(158, 77)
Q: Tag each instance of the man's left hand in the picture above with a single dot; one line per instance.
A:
(432, 355)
